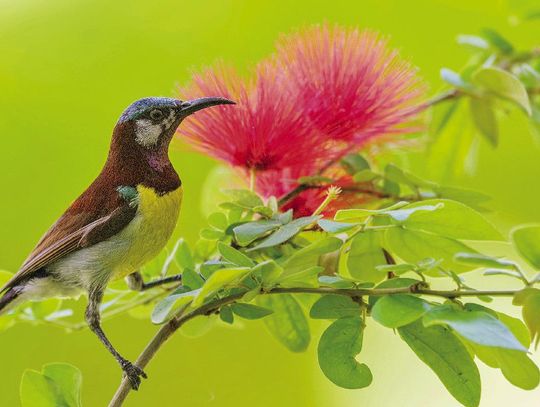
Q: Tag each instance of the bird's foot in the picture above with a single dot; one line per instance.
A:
(133, 373)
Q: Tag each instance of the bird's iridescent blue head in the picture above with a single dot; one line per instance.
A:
(155, 119)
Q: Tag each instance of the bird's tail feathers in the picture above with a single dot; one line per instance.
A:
(9, 296)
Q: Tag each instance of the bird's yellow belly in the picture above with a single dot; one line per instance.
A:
(150, 230)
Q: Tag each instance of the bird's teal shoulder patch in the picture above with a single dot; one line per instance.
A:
(129, 194)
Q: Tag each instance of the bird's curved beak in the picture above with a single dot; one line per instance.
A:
(191, 106)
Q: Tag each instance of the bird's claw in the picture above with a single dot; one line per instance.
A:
(133, 373)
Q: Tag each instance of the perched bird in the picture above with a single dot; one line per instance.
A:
(123, 220)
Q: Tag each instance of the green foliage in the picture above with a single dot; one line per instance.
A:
(250, 311)
(438, 348)
(476, 326)
(365, 255)
(502, 84)
(529, 299)
(413, 246)
(398, 310)
(337, 349)
(268, 252)
(58, 384)
(288, 323)
(334, 307)
(379, 263)
(526, 240)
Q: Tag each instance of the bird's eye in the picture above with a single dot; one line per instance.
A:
(156, 114)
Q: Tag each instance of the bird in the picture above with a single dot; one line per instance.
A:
(118, 224)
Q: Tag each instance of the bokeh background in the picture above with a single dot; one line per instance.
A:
(68, 69)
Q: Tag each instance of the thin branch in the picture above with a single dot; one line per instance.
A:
(168, 329)
(443, 97)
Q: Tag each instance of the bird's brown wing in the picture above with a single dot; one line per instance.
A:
(73, 231)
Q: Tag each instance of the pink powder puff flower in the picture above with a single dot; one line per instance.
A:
(326, 92)
(264, 131)
(350, 84)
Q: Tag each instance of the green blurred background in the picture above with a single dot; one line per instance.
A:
(68, 69)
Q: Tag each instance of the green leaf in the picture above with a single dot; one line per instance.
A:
(476, 326)
(473, 41)
(517, 327)
(393, 311)
(250, 311)
(501, 272)
(526, 240)
(301, 277)
(218, 220)
(336, 281)
(334, 306)
(192, 279)
(365, 255)
(401, 215)
(354, 163)
(272, 204)
(452, 219)
(466, 196)
(179, 298)
(234, 256)
(389, 186)
(244, 198)
(337, 349)
(413, 246)
(204, 248)
(335, 227)
(226, 314)
(344, 214)
(286, 232)
(284, 217)
(396, 268)
(518, 369)
(211, 234)
(448, 358)
(480, 260)
(521, 296)
(287, 324)
(503, 84)
(197, 327)
(248, 232)
(516, 366)
(401, 176)
(183, 255)
(308, 256)
(57, 385)
(453, 78)
(269, 272)
(393, 283)
(365, 176)
(497, 41)
(263, 210)
(68, 380)
(218, 280)
(531, 316)
(485, 120)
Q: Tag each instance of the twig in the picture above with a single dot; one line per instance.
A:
(167, 330)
